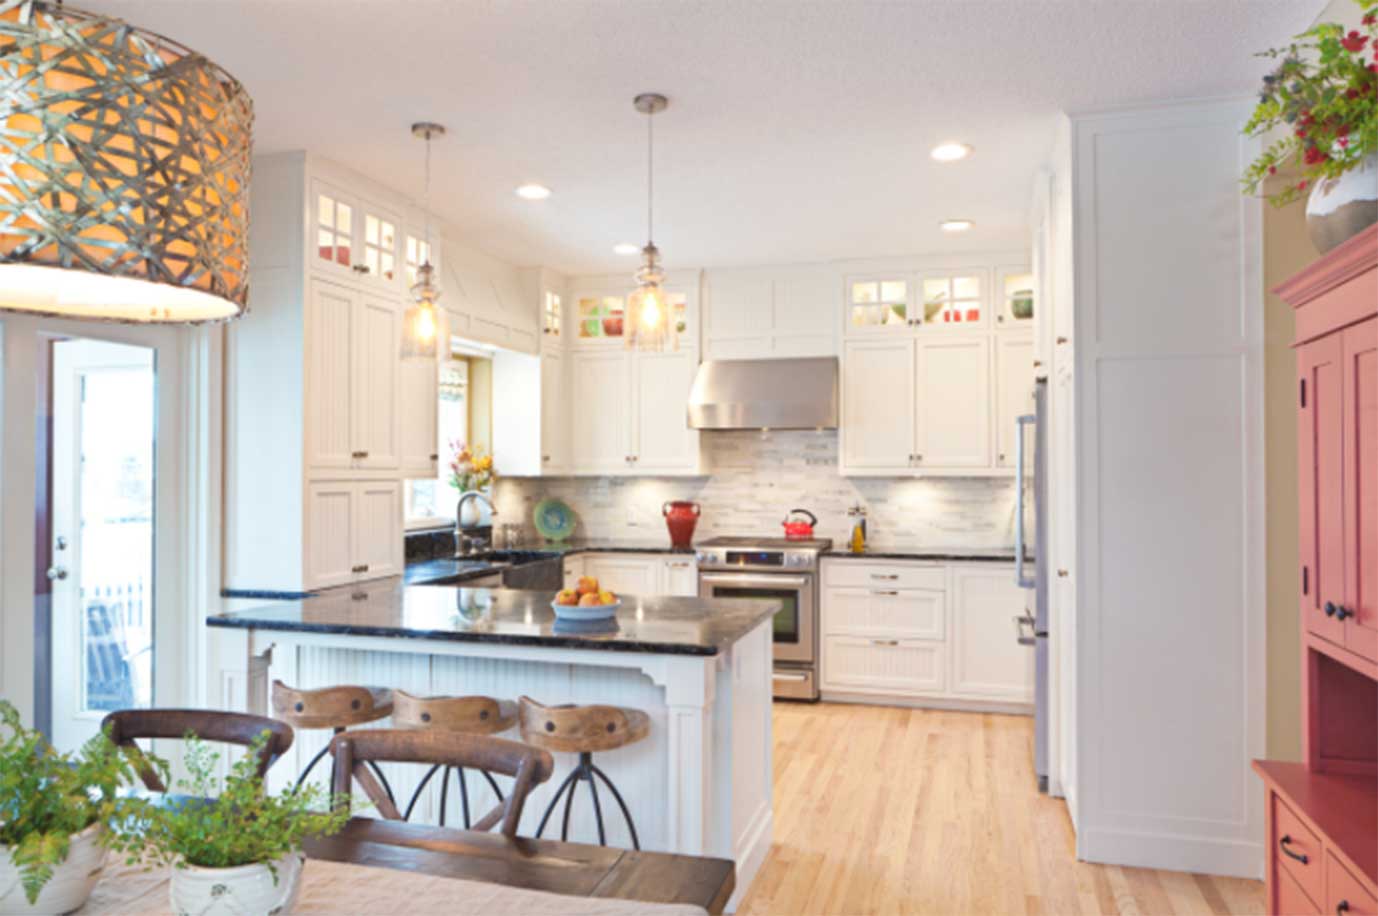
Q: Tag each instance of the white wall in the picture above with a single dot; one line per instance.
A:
(1170, 608)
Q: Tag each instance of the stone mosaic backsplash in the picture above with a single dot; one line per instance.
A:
(756, 477)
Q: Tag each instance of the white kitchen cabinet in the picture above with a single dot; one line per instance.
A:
(352, 369)
(882, 666)
(628, 412)
(877, 423)
(953, 402)
(418, 417)
(920, 632)
(555, 413)
(774, 312)
(1014, 381)
(987, 660)
(884, 611)
(355, 238)
(680, 576)
(661, 440)
(355, 531)
(601, 411)
(626, 573)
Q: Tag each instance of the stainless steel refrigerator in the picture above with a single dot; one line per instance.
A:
(1032, 624)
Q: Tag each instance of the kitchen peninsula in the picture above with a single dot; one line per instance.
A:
(700, 783)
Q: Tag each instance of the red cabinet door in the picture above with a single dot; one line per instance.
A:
(1361, 488)
(1320, 429)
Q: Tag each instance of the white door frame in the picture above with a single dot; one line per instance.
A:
(189, 464)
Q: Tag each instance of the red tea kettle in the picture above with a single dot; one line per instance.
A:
(796, 529)
(680, 517)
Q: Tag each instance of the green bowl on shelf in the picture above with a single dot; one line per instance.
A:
(554, 519)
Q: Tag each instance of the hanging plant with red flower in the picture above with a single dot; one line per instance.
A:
(1324, 94)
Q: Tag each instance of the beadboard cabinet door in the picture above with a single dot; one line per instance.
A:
(555, 413)
(953, 403)
(987, 660)
(626, 574)
(878, 408)
(329, 525)
(1014, 381)
(376, 529)
(330, 319)
(374, 399)
(601, 431)
(663, 441)
(418, 417)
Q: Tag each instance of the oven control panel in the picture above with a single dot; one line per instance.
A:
(732, 558)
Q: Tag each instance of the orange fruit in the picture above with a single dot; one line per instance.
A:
(588, 585)
(589, 600)
(567, 597)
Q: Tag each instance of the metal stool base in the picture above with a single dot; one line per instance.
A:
(586, 771)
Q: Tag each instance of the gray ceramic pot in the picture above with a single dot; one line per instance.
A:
(1340, 208)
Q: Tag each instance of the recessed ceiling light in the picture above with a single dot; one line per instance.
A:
(533, 191)
(950, 152)
(956, 225)
(626, 248)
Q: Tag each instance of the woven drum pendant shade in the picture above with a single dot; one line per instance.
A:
(124, 172)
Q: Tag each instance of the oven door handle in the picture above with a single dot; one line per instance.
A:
(792, 677)
(767, 580)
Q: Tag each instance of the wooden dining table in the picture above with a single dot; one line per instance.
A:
(553, 866)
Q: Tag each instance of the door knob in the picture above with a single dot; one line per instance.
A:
(1330, 609)
(57, 572)
(1342, 612)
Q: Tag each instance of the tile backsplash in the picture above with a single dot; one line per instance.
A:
(755, 477)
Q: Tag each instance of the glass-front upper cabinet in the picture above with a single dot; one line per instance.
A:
(954, 299)
(550, 313)
(1015, 288)
(353, 237)
(600, 316)
(880, 304)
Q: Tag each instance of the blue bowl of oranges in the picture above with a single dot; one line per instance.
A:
(586, 601)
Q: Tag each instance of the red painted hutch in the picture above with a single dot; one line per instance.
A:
(1323, 813)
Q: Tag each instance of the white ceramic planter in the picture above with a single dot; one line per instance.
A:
(1340, 208)
(70, 885)
(248, 890)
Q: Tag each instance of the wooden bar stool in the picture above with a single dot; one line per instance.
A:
(336, 708)
(460, 715)
(583, 730)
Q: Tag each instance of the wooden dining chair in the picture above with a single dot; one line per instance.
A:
(356, 751)
(127, 725)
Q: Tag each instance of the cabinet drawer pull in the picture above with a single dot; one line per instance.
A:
(1062, 573)
(885, 642)
(888, 593)
(1062, 340)
(359, 567)
(885, 577)
(358, 454)
(435, 457)
(1299, 856)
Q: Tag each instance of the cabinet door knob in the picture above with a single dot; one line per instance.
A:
(918, 458)
(1062, 340)
(360, 268)
(435, 457)
(1342, 612)
(1062, 573)
(1002, 456)
(1330, 609)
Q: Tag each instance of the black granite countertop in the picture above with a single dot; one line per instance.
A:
(883, 551)
(660, 625)
(449, 571)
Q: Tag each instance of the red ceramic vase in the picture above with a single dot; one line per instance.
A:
(680, 517)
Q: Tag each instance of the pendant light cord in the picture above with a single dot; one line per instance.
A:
(650, 175)
(427, 197)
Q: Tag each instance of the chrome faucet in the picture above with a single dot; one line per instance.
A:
(464, 543)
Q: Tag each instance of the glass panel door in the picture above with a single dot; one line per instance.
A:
(101, 451)
(879, 303)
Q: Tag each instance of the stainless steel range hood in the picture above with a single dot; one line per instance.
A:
(765, 393)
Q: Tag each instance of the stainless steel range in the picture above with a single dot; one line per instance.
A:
(786, 571)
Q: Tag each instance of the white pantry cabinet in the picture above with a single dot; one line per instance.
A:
(1014, 383)
(355, 531)
(916, 632)
(319, 402)
(771, 313)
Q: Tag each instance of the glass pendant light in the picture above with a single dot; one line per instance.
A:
(124, 172)
(650, 320)
(421, 325)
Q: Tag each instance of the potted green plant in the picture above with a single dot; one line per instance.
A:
(59, 814)
(235, 844)
(1322, 96)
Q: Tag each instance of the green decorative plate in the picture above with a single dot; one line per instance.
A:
(554, 519)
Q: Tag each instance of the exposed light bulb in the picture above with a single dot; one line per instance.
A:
(425, 323)
(650, 311)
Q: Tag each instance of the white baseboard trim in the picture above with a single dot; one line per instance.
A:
(1171, 852)
(872, 699)
(751, 852)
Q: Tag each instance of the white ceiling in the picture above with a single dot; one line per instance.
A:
(797, 131)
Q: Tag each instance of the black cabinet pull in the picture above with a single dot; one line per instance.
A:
(1330, 609)
(1341, 908)
(1300, 857)
(1342, 612)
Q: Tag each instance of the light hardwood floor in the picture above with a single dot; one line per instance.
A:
(881, 810)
